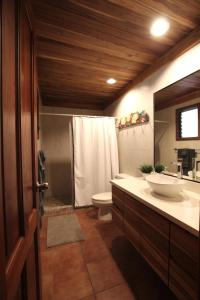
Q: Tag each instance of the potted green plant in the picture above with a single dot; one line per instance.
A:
(146, 169)
(159, 168)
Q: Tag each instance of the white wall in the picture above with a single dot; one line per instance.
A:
(136, 144)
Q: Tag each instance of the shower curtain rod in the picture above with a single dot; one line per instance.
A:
(71, 115)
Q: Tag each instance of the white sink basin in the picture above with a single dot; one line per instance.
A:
(165, 185)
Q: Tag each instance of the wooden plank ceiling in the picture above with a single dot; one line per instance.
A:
(185, 89)
(82, 43)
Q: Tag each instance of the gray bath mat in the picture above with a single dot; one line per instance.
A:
(63, 229)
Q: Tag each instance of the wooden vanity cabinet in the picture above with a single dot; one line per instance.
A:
(155, 242)
(170, 250)
(132, 221)
(183, 263)
(118, 207)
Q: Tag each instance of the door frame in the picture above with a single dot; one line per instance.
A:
(12, 271)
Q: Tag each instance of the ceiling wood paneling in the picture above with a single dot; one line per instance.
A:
(179, 92)
(82, 43)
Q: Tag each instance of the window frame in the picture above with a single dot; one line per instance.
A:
(178, 122)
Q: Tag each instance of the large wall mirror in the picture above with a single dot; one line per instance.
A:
(177, 126)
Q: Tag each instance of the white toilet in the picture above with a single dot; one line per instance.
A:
(104, 201)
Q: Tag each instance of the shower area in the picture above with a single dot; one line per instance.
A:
(81, 157)
(56, 144)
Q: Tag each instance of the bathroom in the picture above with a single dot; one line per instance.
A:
(103, 198)
(136, 145)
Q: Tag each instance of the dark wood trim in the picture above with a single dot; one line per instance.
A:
(53, 101)
(35, 120)
(18, 120)
(178, 100)
(198, 274)
(34, 109)
(180, 48)
(2, 237)
(178, 112)
(17, 260)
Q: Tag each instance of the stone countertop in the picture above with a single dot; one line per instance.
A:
(182, 210)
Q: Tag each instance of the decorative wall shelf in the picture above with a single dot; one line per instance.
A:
(134, 119)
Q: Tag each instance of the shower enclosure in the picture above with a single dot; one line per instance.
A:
(56, 143)
(81, 158)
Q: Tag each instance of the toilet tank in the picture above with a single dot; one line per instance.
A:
(122, 176)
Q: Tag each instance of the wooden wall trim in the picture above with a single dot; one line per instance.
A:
(17, 260)
(2, 236)
(35, 115)
(53, 101)
(180, 48)
(198, 286)
(177, 101)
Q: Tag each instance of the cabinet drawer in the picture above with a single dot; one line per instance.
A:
(183, 286)
(118, 203)
(184, 250)
(117, 217)
(158, 222)
(133, 204)
(133, 219)
(156, 261)
(132, 235)
(117, 192)
(157, 239)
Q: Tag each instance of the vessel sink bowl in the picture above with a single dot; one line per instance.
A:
(165, 185)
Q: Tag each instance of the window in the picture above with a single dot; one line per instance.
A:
(187, 123)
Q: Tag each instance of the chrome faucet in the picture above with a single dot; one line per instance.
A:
(195, 164)
(180, 169)
(194, 168)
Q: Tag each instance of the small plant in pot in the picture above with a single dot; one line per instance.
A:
(146, 169)
(159, 168)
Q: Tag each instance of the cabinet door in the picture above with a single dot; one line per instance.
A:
(155, 242)
(183, 263)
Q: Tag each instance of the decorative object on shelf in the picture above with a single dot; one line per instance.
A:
(132, 119)
(146, 170)
(159, 168)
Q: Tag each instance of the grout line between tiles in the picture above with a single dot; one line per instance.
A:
(87, 268)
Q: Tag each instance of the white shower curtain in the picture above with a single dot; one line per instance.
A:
(95, 156)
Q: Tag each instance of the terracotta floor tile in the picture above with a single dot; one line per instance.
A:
(61, 257)
(114, 270)
(94, 249)
(71, 284)
(120, 292)
(104, 274)
(89, 298)
(47, 287)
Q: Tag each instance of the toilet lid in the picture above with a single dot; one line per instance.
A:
(103, 197)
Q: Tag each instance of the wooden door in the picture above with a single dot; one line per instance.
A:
(19, 246)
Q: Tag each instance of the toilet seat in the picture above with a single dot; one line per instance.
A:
(102, 198)
(103, 201)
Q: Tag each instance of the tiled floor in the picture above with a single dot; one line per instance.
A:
(103, 267)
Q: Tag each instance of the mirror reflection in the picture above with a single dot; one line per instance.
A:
(177, 127)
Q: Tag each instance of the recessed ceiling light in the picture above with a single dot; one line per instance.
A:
(111, 81)
(159, 27)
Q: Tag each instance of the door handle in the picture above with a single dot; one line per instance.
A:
(42, 186)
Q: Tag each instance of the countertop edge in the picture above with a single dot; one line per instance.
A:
(163, 213)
